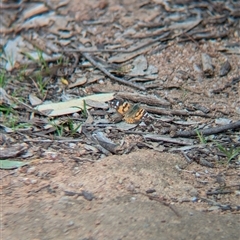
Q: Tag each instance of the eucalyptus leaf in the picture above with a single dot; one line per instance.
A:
(9, 164)
(63, 108)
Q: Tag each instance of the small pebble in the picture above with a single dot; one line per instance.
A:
(194, 199)
(101, 81)
(34, 181)
(208, 67)
(197, 174)
(97, 222)
(27, 181)
(72, 145)
(70, 223)
(225, 69)
(150, 191)
(31, 170)
(87, 195)
(133, 199)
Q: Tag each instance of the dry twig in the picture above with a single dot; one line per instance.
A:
(104, 70)
(161, 111)
(208, 131)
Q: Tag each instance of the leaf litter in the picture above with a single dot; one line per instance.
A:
(164, 56)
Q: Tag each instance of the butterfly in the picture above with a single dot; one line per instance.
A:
(131, 113)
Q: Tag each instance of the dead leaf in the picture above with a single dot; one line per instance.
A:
(72, 106)
(96, 104)
(140, 66)
(105, 142)
(79, 82)
(34, 100)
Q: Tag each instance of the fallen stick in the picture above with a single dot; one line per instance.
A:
(107, 73)
(208, 131)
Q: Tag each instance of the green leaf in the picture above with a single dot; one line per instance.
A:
(8, 164)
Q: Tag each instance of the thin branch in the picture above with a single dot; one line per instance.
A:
(104, 70)
(208, 131)
(169, 112)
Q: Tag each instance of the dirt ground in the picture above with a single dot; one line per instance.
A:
(35, 203)
(148, 189)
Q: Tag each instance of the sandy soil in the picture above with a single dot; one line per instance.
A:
(35, 205)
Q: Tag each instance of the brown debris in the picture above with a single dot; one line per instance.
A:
(147, 99)
(12, 151)
(208, 67)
